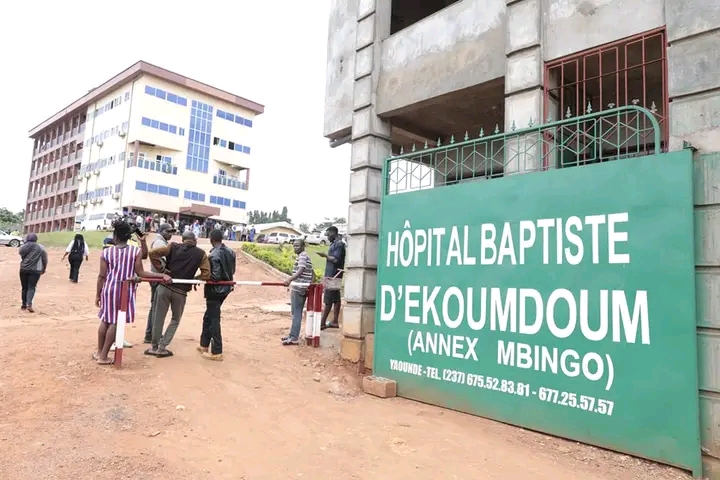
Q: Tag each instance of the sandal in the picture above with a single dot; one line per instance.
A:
(109, 361)
(164, 354)
(332, 325)
(151, 352)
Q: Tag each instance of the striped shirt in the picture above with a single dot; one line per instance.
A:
(303, 260)
(120, 267)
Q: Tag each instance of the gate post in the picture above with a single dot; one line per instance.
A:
(524, 87)
(371, 145)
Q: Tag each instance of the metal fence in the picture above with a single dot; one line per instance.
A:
(612, 134)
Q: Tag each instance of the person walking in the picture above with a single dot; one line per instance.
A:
(182, 260)
(222, 268)
(118, 263)
(161, 240)
(33, 263)
(335, 263)
(303, 275)
(75, 252)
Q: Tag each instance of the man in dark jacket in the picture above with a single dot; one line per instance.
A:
(33, 263)
(182, 261)
(222, 268)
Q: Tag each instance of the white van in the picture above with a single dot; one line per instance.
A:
(95, 221)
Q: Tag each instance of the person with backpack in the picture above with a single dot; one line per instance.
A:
(76, 251)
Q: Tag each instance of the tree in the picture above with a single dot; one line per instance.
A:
(257, 216)
(304, 227)
(11, 221)
(322, 226)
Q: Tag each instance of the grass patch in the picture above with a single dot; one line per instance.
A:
(282, 257)
(61, 239)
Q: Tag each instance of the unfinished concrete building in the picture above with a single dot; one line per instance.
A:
(412, 72)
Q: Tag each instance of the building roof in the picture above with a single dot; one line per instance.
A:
(261, 227)
(145, 68)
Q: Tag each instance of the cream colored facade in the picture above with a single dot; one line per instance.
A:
(136, 144)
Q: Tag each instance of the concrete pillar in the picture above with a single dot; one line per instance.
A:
(692, 28)
(370, 147)
(523, 83)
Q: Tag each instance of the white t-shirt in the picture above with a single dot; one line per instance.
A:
(86, 253)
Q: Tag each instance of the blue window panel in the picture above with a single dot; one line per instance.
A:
(246, 150)
(181, 132)
(164, 127)
(238, 147)
(201, 197)
(194, 103)
(182, 101)
(242, 205)
(248, 123)
(160, 93)
(154, 124)
(152, 188)
(142, 186)
(146, 121)
(174, 192)
(239, 119)
(223, 143)
(163, 190)
(173, 129)
(171, 97)
(221, 114)
(149, 90)
(226, 202)
(188, 195)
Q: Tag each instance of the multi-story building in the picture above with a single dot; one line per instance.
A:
(147, 140)
(403, 74)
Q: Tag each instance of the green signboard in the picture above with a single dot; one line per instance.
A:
(561, 301)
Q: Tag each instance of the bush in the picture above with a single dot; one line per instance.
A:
(280, 257)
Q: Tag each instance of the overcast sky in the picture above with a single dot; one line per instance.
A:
(269, 52)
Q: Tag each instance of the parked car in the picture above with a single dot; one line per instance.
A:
(262, 238)
(316, 238)
(10, 240)
(278, 238)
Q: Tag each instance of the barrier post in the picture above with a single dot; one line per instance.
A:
(309, 314)
(120, 323)
(318, 297)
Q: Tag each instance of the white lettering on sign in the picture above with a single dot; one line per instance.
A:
(624, 320)
(560, 241)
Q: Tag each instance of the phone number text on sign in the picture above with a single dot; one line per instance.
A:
(510, 387)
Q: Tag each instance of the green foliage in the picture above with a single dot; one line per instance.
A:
(304, 227)
(281, 257)
(10, 220)
(257, 216)
(328, 222)
(61, 239)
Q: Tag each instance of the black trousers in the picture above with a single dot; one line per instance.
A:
(211, 334)
(75, 270)
(28, 283)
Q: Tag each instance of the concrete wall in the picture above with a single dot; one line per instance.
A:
(340, 66)
(573, 26)
(455, 48)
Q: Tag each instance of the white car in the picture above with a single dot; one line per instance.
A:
(277, 238)
(316, 238)
(95, 221)
(10, 240)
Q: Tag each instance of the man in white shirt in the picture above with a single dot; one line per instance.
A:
(164, 234)
(140, 222)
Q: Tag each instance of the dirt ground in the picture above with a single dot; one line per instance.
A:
(266, 412)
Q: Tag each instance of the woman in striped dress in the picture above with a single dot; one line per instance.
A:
(118, 263)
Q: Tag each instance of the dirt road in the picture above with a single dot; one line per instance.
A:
(266, 412)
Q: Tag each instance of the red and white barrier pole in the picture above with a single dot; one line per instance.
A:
(120, 323)
(318, 302)
(310, 315)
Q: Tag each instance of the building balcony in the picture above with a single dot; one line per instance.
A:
(228, 181)
(159, 135)
(229, 157)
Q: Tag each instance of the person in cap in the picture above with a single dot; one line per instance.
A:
(164, 234)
